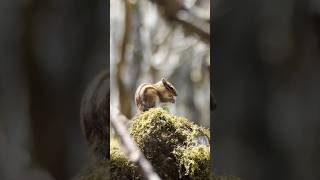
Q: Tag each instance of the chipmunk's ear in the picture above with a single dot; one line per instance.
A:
(164, 81)
(169, 87)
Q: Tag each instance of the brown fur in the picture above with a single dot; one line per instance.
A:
(147, 94)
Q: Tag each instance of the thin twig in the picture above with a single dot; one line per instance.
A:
(130, 148)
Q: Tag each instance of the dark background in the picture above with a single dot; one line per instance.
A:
(49, 51)
(266, 63)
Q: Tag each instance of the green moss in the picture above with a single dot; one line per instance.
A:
(117, 168)
(193, 158)
(176, 147)
(120, 167)
(170, 143)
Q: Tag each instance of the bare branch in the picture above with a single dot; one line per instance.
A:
(194, 24)
(174, 10)
(130, 148)
(123, 91)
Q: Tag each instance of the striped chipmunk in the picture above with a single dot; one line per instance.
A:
(151, 95)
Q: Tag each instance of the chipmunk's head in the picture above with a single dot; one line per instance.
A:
(170, 94)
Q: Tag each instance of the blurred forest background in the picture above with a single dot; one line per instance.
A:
(49, 52)
(149, 41)
(266, 59)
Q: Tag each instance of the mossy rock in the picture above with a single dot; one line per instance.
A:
(171, 143)
(120, 167)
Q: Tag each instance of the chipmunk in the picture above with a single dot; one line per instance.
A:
(150, 95)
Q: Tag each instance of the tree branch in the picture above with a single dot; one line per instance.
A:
(174, 10)
(130, 148)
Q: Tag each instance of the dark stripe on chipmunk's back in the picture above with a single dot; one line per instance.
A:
(148, 86)
(137, 95)
(142, 89)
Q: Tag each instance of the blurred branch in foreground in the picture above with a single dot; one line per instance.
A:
(130, 148)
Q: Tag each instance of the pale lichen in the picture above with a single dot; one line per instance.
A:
(193, 158)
